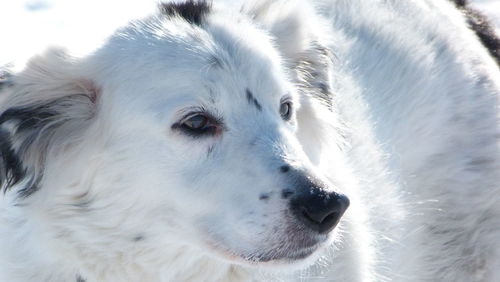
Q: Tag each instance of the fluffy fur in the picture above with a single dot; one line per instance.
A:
(395, 104)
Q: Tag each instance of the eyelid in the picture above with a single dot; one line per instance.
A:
(286, 98)
(187, 113)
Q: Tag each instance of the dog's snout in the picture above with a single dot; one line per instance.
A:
(318, 209)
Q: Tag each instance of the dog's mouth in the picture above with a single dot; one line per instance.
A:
(287, 251)
(297, 247)
(285, 256)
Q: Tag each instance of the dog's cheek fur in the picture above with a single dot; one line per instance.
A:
(47, 104)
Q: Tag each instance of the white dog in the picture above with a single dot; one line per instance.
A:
(215, 142)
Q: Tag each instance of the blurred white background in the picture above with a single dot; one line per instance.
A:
(29, 26)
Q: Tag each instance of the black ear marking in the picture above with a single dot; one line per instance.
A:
(251, 99)
(193, 11)
(31, 128)
(25, 122)
(27, 118)
(11, 169)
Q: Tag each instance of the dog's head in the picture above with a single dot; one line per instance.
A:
(184, 127)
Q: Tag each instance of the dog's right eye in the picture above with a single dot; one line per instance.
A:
(197, 125)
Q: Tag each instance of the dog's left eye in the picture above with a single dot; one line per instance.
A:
(286, 110)
(197, 122)
(197, 125)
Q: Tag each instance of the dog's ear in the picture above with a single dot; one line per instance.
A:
(44, 107)
(302, 40)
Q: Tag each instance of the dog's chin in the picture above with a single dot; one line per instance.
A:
(297, 256)
(295, 259)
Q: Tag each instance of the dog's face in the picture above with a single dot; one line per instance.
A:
(194, 142)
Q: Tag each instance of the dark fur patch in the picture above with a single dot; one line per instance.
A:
(264, 197)
(28, 118)
(11, 169)
(138, 238)
(251, 99)
(193, 11)
(84, 205)
(284, 168)
(210, 150)
(27, 122)
(286, 193)
(79, 279)
(480, 25)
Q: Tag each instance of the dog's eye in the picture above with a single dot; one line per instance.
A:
(197, 122)
(197, 125)
(286, 110)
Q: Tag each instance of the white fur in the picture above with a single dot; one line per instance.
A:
(411, 136)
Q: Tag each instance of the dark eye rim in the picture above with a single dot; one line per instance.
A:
(211, 127)
(289, 114)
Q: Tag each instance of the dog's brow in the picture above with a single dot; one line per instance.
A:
(287, 96)
(251, 99)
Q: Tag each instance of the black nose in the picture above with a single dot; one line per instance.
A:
(319, 210)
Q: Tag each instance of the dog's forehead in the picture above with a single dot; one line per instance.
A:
(227, 54)
(248, 56)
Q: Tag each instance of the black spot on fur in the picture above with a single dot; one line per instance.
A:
(264, 197)
(138, 238)
(286, 193)
(284, 168)
(193, 11)
(79, 279)
(210, 150)
(251, 99)
(480, 25)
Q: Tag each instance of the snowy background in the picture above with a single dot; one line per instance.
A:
(29, 26)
